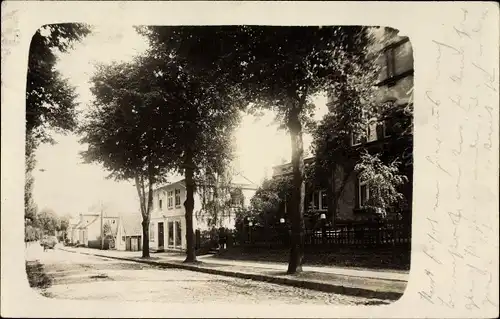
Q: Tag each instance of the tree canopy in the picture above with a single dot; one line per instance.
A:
(278, 68)
(152, 117)
(127, 128)
(50, 99)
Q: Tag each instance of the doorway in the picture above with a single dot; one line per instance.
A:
(161, 237)
(178, 235)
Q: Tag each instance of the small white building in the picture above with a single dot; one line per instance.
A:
(88, 228)
(73, 234)
(129, 232)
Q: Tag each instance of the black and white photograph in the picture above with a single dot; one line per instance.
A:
(223, 159)
(250, 164)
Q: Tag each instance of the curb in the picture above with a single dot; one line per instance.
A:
(313, 285)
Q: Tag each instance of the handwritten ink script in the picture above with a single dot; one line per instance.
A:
(461, 244)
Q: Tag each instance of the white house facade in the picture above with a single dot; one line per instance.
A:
(168, 223)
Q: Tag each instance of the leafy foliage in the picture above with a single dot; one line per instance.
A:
(107, 230)
(273, 65)
(127, 129)
(32, 232)
(269, 197)
(50, 103)
(207, 112)
(277, 68)
(48, 221)
(153, 116)
(30, 208)
(50, 100)
(383, 182)
(220, 199)
(353, 107)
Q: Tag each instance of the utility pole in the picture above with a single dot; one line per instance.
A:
(102, 229)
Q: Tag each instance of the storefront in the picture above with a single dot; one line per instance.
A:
(167, 233)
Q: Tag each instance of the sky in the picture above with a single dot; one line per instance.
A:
(66, 185)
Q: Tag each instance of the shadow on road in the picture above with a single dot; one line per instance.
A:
(36, 275)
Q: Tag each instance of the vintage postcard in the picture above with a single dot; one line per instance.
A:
(250, 159)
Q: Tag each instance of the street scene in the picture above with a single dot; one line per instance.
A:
(69, 275)
(240, 164)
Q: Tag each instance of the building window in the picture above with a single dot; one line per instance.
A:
(364, 194)
(324, 200)
(390, 62)
(316, 203)
(357, 139)
(152, 232)
(237, 198)
(318, 200)
(398, 58)
(177, 197)
(170, 199)
(160, 203)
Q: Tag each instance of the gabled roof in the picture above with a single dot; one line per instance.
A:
(86, 224)
(238, 180)
(132, 224)
(74, 222)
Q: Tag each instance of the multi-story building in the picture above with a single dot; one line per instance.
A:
(395, 85)
(168, 223)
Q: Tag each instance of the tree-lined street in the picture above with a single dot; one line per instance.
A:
(174, 110)
(82, 277)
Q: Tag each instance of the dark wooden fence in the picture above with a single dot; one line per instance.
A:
(361, 235)
(368, 235)
(97, 244)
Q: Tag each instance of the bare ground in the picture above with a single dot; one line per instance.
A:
(60, 274)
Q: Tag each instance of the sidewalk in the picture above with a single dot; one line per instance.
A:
(354, 282)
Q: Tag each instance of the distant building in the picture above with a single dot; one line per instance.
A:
(86, 230)
(129, 232)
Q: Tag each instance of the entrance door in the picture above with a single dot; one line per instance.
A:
(178, 235)
(170, 234)
(161, 237)
(134, 244)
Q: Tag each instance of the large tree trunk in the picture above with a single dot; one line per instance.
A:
(189, 206)
(145, 237)
(216, 201)
(145, 212)
(298, 193)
